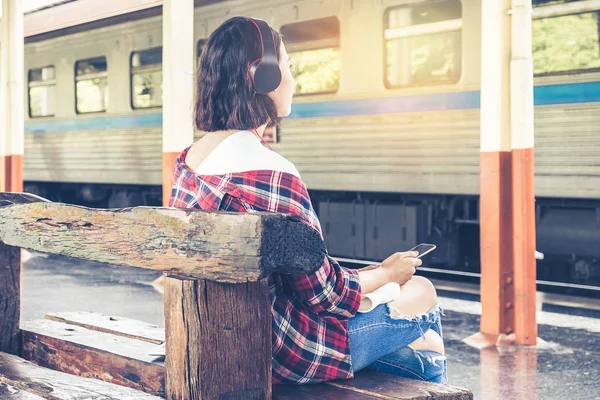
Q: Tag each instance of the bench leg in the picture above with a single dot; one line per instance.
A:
(218, 340)
(10, 298)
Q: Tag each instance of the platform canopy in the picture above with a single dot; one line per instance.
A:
(46, 16)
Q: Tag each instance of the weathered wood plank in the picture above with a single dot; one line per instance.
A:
(10, 298)
(120, 326)
(178, 361)
(53, 385)
(225, 247)
(9, 198)
(392, 387)
(218, 340)
(317, 392)
(8, 392)
(79, 351)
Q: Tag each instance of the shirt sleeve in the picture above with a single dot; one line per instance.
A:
(331, 289)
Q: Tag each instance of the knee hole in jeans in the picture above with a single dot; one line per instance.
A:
(429, 341)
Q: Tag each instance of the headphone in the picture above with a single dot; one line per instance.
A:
(264, 72)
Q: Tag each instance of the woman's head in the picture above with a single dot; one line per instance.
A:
(226, 98)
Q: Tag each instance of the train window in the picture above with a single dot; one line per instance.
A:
(541, 3)
(42, 92)
(146, 78)
(91, 85)
(314, 50)
(423, 43)
(566, 44)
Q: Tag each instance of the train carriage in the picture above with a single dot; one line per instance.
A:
(384, 129)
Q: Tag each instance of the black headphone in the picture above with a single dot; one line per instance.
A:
(264, 72)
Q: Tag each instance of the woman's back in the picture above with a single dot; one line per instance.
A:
(241, 151)
(202, 148)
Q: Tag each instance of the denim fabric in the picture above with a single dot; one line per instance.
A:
(380, 342)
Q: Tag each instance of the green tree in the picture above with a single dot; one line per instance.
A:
(567, 43)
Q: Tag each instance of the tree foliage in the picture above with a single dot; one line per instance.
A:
(316, 71)
(568, 43)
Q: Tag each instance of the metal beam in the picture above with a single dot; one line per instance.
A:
(558, 10)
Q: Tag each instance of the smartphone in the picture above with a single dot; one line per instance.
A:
(423, 249)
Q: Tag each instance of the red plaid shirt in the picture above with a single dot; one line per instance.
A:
(310, 311)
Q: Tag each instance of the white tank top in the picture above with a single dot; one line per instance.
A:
(241, 152)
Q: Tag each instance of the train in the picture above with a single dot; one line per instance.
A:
(384, 130)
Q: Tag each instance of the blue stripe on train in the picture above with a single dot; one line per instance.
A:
(585, 92)
(95, 123)
(543, 95)
(404, 104)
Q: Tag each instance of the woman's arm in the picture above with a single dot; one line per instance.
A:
(373, 277)
(331, 289)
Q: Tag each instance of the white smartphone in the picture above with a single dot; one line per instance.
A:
(423, 249)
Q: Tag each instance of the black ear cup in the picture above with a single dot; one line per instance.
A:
(264, 72)
(266, 77)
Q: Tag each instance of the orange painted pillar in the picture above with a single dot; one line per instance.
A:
(523, 193)
(11, 97)
(507, 215)
(497, 295)
(178, 83)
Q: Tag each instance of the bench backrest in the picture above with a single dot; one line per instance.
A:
(217, 307)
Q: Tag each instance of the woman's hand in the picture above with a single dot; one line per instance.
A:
(400, 267)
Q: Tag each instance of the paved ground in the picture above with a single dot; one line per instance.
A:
(568, 369)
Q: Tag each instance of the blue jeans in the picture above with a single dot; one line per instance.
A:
(380, 342)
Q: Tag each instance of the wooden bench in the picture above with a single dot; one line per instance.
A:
(214, 350)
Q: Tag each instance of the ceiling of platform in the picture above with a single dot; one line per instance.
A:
(30, 6)
(35, 5)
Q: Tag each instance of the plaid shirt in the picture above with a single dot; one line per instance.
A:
(310, 311)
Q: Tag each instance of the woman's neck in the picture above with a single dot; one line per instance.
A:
(224, 134)
(261, 130)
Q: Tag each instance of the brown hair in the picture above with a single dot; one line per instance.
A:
(226, 98)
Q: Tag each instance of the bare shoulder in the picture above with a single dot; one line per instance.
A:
(199, 151)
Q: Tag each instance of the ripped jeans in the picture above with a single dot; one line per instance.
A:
(380, 342)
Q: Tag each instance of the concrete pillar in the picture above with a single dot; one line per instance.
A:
(178, 72)
(12, 113)
(507, 214)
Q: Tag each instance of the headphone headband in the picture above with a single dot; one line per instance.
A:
(264, 72)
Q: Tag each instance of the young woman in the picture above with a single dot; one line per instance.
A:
(317, 333)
